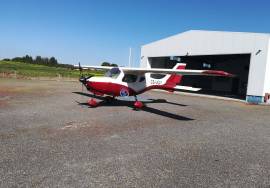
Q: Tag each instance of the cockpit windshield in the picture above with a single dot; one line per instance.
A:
(113, 73)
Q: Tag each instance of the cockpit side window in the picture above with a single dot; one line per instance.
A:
(130, 78)
(157, 76)
(142, 78)
(113, 73)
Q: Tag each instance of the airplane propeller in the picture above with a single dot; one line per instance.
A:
(83, 78)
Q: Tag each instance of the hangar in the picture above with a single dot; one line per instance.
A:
(247, 55)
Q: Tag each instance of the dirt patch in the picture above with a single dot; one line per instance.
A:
(98, 128)
(12, 90)
(4, 136)
(87, 129)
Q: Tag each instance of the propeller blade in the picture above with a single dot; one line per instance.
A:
(82, 80)
(80, 68)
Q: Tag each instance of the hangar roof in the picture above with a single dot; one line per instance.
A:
(201, 42)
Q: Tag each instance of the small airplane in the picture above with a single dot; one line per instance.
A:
(126, 81)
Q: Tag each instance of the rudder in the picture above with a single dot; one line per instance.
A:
(175, 79)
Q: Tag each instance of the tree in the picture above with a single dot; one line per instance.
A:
(114, 65)
(17, 59)
(45, 61)
(28, 59)
(109, 64)
(53, 61)
(38, 60)
(105, 64)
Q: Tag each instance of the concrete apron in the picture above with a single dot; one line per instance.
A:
(249, 99)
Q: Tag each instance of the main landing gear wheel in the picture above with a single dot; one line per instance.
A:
(137, 104)
(92, 103)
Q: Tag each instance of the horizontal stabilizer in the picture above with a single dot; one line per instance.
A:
(187, 88)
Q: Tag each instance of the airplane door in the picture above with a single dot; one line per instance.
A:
(135, 82)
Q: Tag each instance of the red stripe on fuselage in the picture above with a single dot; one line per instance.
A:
(107, 88)
(113, 89)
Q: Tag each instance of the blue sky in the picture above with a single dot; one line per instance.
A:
(93, 31)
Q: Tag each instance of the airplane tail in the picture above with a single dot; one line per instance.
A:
(175, 79)
(171, 82)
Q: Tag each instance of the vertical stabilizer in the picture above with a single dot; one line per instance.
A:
(175, 79)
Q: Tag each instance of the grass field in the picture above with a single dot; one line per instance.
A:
(31, 70)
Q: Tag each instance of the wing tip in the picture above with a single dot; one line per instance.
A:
(218, 73)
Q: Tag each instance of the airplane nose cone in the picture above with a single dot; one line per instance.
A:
(83, 80)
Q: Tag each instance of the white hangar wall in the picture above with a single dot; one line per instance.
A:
(267, 71)
(196, 42)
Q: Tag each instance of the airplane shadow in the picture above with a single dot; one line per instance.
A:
(130, 105)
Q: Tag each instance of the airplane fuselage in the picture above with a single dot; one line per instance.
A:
(107, 86)
(125, 84)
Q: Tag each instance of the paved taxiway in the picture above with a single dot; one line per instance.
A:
(49, 138)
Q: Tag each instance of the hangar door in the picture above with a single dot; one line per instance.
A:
(237, 64)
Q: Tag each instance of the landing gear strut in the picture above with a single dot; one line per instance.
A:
(109, 99)
(137, 104)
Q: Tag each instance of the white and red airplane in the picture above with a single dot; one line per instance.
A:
(125, 81)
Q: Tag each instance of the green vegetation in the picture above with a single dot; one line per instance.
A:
(109, 64)
(27, 66)
(52, 61)
(33, 70)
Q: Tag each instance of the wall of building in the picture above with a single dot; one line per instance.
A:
(267, 71)
(215, 43)
(257, 71)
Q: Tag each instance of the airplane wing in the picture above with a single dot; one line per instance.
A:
(94, 67)
(127, 70)
(176, 71)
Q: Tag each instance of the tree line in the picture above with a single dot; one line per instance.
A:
(52, 61)
(109, 64)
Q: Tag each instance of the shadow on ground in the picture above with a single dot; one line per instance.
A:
(129, 104)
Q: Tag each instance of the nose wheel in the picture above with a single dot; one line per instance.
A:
(92, 103)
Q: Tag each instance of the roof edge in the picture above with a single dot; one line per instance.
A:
(208, 31)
